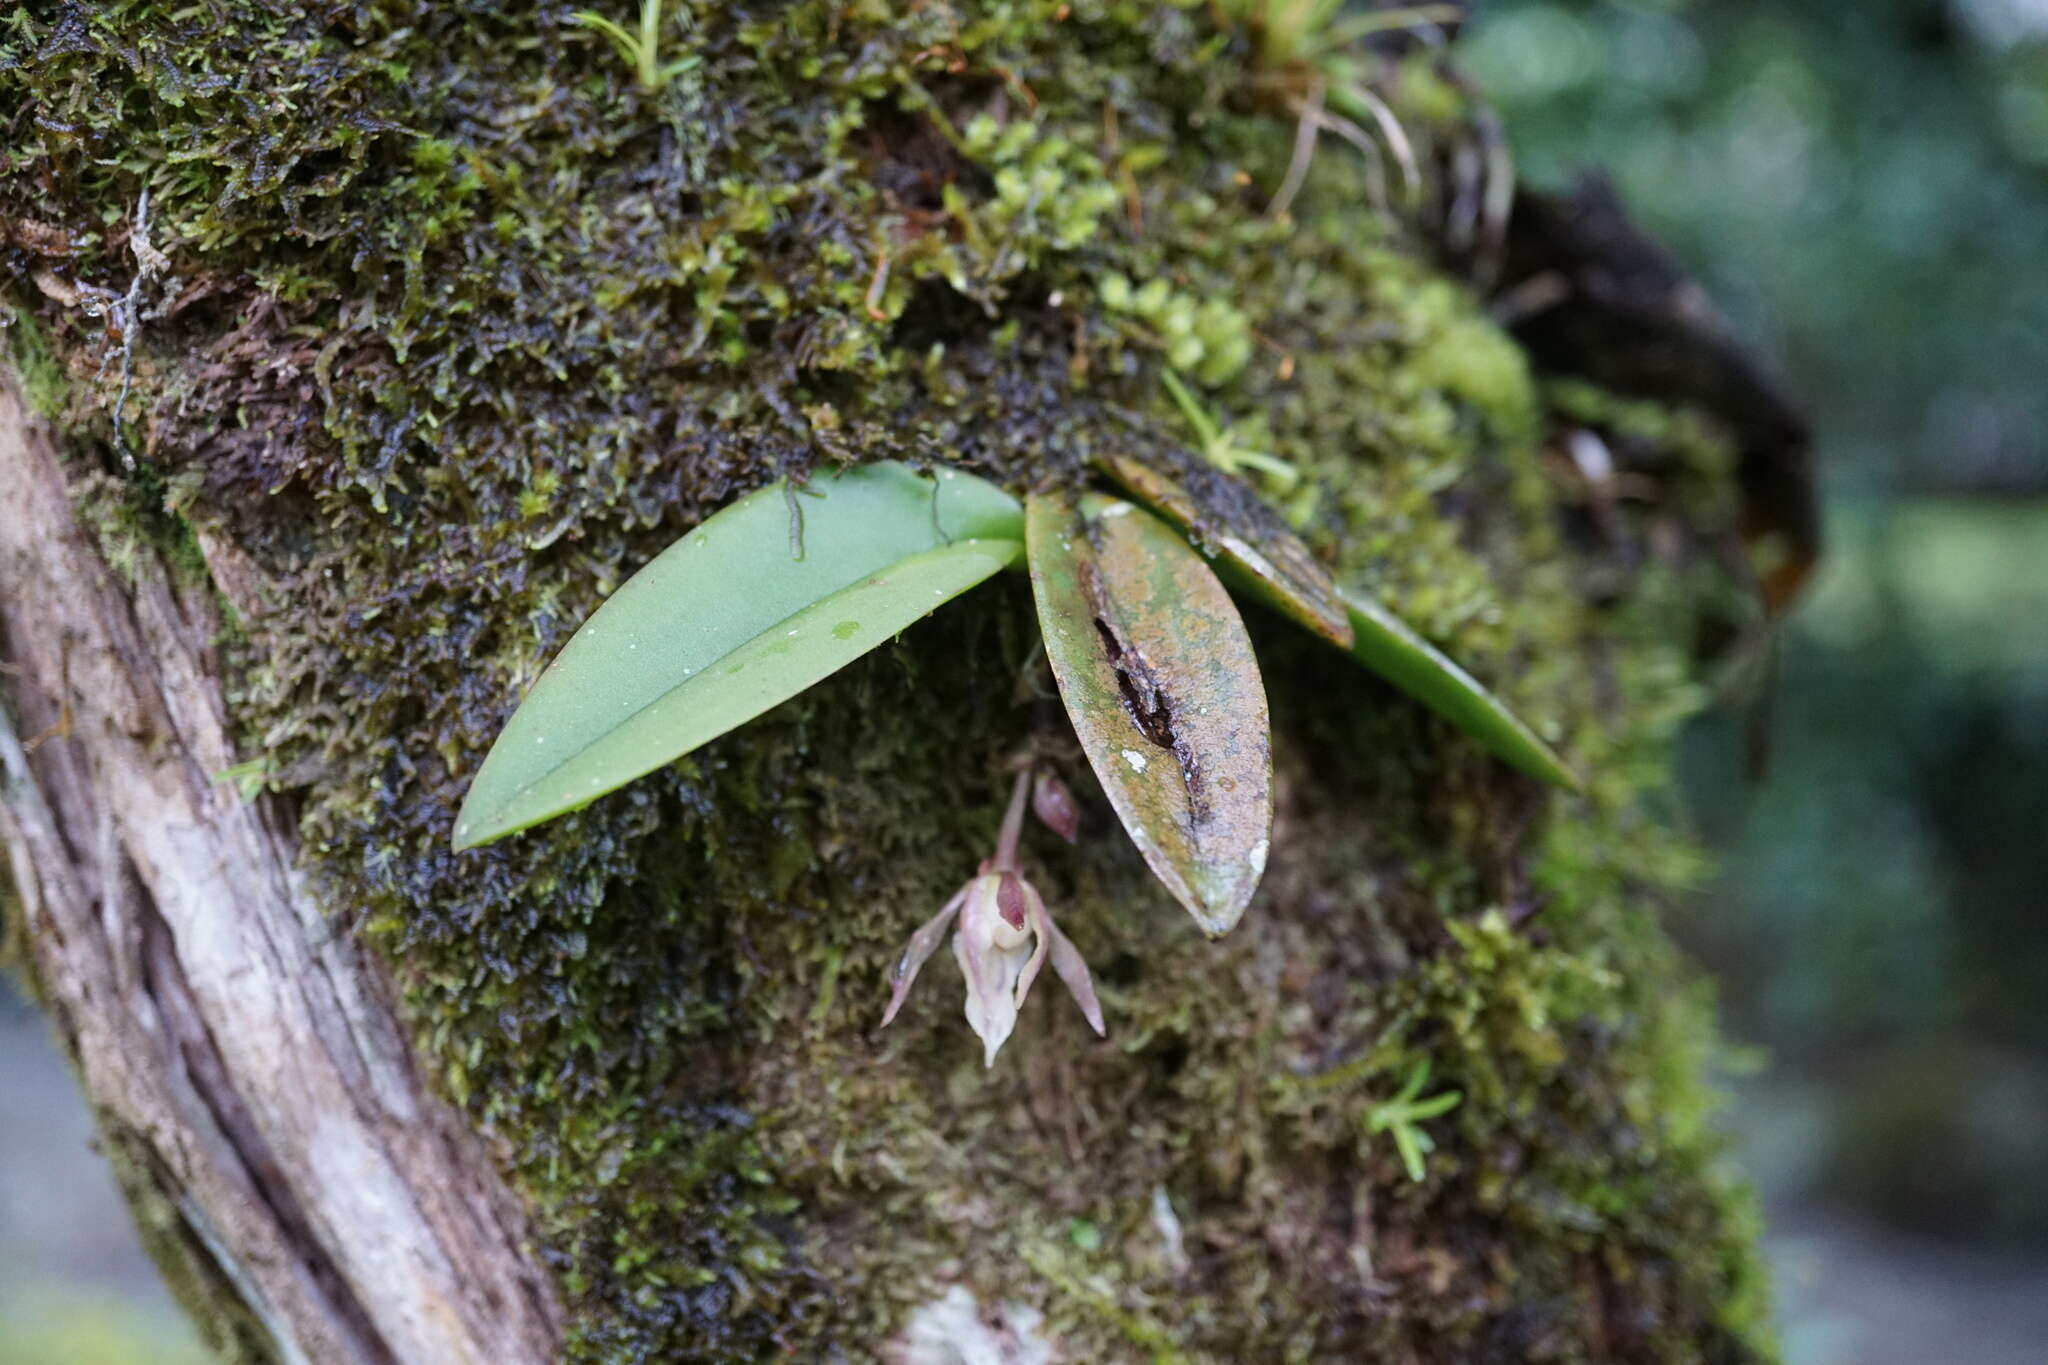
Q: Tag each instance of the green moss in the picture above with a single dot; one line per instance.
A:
(1471, 359)
(34, 364)
(486, 324)
(1678, 439)
(136, 524)
(229, 1330)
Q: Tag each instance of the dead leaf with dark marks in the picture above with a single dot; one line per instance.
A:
(1272, 565)
(1159, 679)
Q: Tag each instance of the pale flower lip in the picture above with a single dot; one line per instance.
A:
(1000, 958)
(1004, 937)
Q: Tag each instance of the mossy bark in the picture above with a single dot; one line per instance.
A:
(440, 324)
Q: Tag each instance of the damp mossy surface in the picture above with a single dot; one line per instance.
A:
(461, 326)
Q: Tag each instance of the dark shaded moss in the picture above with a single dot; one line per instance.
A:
(463, 326)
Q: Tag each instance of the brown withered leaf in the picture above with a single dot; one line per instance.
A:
(1270, 563)
(42, 239)
(1159, 680)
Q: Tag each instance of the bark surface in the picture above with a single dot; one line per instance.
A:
(242, 1052)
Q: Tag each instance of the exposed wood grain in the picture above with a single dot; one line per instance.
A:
(215, 1014)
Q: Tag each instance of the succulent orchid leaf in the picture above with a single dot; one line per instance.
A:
(1271, 564)
(765, 598)
(1159, 679)
(1385, 644)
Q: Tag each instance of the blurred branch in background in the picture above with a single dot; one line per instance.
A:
(1864, 189)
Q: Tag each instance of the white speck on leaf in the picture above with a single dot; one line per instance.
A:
(1135, 759)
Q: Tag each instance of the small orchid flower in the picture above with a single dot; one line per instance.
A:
(1005, 935)
(1054, 805)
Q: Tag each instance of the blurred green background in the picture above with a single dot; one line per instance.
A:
(1863, 185)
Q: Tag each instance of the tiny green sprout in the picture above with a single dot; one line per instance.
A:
(250, 777)
(642, 50)
(1218, 443)
(1405, 1112)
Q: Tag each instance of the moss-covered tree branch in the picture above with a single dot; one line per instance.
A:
(460, 322)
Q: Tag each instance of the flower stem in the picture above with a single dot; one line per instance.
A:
(1013, 824)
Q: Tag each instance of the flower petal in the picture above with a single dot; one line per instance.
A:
(917, 952)
(1040, 921)
(1010, 903)
(993, 955)
(991, 1013)
(1073, 972)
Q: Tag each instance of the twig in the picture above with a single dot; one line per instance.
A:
(1375, 160)
(1304, 150)
(124, 313)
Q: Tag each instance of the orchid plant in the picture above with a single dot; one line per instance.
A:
(1153, 663)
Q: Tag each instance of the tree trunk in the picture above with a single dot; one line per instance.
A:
(360, 354)
(244, 1057)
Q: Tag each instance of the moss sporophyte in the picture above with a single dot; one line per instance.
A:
(1153, 663)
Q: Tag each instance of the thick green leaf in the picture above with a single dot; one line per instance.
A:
(1385, 644)
(764, 599)
(1158, 676)
(1273, 565)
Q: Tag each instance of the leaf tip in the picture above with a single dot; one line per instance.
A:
(1219, 904)
(1566, 776)
(475, 827)
(1536, 758)
(469, 832)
